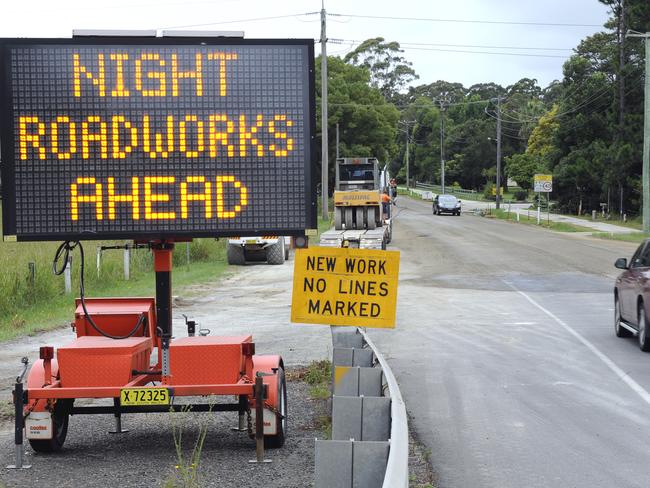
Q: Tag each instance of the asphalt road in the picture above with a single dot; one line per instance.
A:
(506, 355)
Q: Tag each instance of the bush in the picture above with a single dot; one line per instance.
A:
(487, 192)
(521, 195)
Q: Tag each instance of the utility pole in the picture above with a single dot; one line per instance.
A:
(442, 147)
(323, 72)
(645, 174)
(498, 196)
(337, 140)
(406, 156)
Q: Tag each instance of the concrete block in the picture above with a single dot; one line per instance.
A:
(346, 381)
(333, 464)
(369, 465)
(346, 337)
(347, 417)
(375, 418)
(362, 357)
(342, 356)
(370, 382)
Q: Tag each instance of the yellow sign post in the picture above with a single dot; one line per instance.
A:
(342, 286)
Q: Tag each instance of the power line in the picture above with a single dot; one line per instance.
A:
(463, 21)
(465, 45)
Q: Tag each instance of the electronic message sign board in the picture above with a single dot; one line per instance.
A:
(152, 138)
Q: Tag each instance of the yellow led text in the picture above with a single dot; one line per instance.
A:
(161, 189)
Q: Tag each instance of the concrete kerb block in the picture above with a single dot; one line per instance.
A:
(355, 381)
(333, 464)
(370, 382)
(361, 418)
(343, 464)
(346, 337)
(369, 464)
(342, 356)
(362, 357)
(375, 419)
(347, 418)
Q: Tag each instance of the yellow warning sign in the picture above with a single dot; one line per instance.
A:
(343, 286)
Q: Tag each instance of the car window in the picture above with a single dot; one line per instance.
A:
(641, 258)
(448, 199)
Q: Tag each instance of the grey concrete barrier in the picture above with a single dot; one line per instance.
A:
(369, 446)
(397, 466)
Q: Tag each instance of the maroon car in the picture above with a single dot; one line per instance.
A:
(632, 296)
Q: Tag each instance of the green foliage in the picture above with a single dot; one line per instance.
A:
(28, 305)
(318, 372)
(367, 122)
(389, 71)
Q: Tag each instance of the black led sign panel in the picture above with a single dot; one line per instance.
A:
(156, 138)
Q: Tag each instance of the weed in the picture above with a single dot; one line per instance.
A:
(320, 391)
(7, 410)
(318, 372)
(187, 474)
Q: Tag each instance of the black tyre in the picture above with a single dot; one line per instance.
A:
(277, 440)
(275, 252)
(619, 330)
(235, 255)
(60, 419)
(338, 218)
(286, 251)
(644, 337)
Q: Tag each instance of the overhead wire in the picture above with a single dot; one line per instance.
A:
(463, 21)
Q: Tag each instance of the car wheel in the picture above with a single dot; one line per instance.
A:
(644, 338)
(618, 328)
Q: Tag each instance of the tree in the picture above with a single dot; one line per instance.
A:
(367, 122)
(389, 71)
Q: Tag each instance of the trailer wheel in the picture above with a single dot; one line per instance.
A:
(275, 252)
(371, 217)
(277, 440)
(60, 419)
(338, 218)
(235, 255)
(348, 219)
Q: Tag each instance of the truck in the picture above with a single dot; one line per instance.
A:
(272, 249)
(358, 217)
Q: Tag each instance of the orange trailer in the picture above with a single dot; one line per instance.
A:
(143, 370)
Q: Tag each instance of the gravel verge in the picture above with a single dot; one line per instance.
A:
(146, 455)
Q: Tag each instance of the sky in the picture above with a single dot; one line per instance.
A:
(452, 47)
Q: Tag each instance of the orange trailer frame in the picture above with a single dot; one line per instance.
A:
(95, 366)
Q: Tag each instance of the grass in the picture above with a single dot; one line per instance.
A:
(318, 374)
(528, 220)
(632, 223)
(29, 305)
(629, 237)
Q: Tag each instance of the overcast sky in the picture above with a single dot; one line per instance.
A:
(424, 41)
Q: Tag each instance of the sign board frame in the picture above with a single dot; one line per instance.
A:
(543, 183)
(345, 287)
(257, 226)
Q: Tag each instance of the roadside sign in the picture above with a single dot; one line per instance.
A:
(494, 190)
(543, 183)
(342, 286)
(153, 138)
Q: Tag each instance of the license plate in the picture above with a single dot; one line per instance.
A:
(251, 241)
(144, 396)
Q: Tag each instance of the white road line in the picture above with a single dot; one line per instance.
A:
(637, 388)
